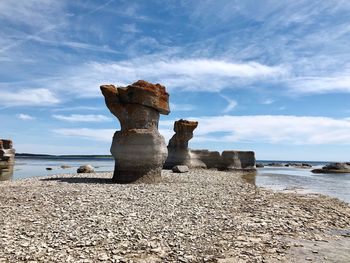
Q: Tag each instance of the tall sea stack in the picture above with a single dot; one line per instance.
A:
(138, 148)
(179, 153)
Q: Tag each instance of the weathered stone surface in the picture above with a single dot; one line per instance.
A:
(259, 165)
(180, 169)
(334, 168)
(178, 152)
(7, 159)
(7, 153)
(211, 159)
(237, 160)
(138, 148)
(85, 169)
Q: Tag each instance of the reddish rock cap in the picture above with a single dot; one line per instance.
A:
(184, 126)
(140, 92)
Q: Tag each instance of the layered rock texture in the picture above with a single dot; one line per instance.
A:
(138, 148)
(227, 160)
(210, 159)
(178, 152)
(7, 159)
(237, 160)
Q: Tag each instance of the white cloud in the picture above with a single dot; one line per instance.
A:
(79, 108)
(105, 135)
(271, 129)
(28, 97)
(208, 75)
(182, 107)
(268, 101)
(25, 117)
(330, 84)
(281, 129)
(34, 13)
(130, 28)
(231, 104)
(82, 118)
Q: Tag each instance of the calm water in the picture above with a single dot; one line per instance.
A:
(276, 178)
(303, 180)
(27, 167)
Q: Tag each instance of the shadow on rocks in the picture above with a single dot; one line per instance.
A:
(80, 180)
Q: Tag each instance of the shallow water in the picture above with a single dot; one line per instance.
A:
(30, 167)
(303, 180)
(276, 178)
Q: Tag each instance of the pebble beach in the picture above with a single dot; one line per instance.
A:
(199, 216)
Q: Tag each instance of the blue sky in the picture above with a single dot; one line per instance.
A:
(270, 76)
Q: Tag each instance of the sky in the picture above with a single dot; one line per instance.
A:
(269, 76)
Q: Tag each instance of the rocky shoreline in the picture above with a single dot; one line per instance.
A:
(199, 216)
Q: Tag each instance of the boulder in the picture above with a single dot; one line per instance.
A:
(178, 152)
(85, 169)
(138, 148)
(259, 165)
(180, 169)
(334, 168)
(238, 160)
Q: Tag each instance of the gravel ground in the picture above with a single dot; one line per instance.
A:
(200, 216)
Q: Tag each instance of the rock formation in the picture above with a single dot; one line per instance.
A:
(138, 148)
(237, 160)
(334, 168)
(210, 159)
(7, 159)
(178, 152)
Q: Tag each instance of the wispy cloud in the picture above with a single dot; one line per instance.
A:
(79, 108)
(82, 118)
(73, 44)
(231, 104)
(28, 97)
(332, 84)
(176, 74)
(268, 101)
(182, 107)
(25, 117)
(91, 134)
(130, 28)
(275, 129)
(270, 129)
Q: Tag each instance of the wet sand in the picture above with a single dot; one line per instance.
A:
(200, 216)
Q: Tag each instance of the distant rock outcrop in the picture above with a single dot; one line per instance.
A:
(7, 159)
(237, 160)
(178, 152)
(334, 168)
(138, 148)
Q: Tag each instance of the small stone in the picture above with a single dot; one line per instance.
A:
(86, 169)
(180, 169)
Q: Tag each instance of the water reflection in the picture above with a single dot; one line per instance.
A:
(6, 172)
(250, 177)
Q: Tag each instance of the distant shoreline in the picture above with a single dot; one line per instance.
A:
(48, 156)
(77, 156)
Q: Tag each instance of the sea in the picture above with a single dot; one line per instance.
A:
(300, 180)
